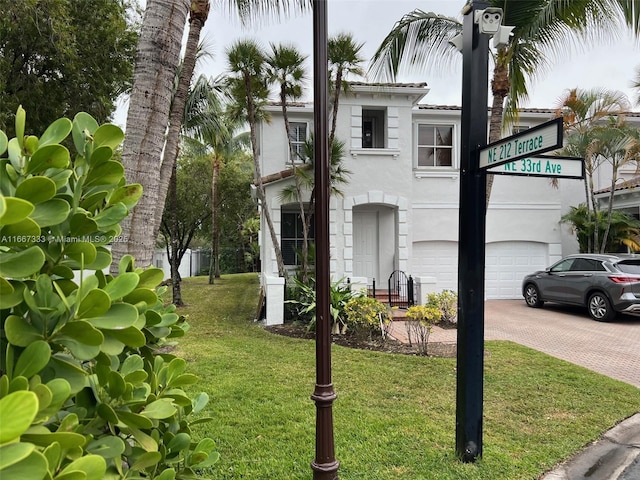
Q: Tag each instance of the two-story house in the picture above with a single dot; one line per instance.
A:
(399, 209)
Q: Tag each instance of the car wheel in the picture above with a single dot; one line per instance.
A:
(600, 308)
(532, 296)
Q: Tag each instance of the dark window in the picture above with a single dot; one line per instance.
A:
(587, 265)
(291, 237)
(373, 128)
(435, 145)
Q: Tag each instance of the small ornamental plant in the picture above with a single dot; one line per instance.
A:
(447, 302)
(367, 317)
(419, 321)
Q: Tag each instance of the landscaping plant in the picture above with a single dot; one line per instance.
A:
(87, 387)
(366, 317)
(419, 321)
(447, 302)
(304, 303)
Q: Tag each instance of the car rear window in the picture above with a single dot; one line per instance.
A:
(629, 266)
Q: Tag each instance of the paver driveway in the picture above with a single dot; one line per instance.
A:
(612, 349)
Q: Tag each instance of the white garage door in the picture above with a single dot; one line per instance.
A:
(506, 263)
(438, 260)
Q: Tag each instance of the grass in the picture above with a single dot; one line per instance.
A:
(395, 414)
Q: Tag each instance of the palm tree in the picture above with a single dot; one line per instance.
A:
(285, 69)
(157, 62)
(618, 144)
(248, 89)
(197, 18)
(210, 131)
(581, 111)
(624, 230)
(420, 40)
(344, 58)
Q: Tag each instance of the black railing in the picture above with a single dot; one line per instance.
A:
(401, 290)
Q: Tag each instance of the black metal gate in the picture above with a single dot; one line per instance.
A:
(400, 290)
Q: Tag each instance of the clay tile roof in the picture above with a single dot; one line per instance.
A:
(274, 177)
(626, 185)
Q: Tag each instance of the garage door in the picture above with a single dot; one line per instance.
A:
(506, 263)
(438, 260)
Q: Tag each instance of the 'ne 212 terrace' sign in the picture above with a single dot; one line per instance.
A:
(539, 139)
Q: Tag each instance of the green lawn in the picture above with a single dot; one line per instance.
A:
(395, 414)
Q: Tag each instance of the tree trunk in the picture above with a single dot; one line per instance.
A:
(251, 114)
(336, 100)
(215, 233)
(500, 85)
(197, 19)
(175, 257)
(157, 61)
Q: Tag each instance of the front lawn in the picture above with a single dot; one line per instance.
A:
(395, 414)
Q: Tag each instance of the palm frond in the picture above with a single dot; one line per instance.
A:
(419, 41)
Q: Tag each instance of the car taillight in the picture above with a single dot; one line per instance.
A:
(621, 279)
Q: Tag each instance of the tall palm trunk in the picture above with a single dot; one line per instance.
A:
(214, 264)
(336, 99)
(500, 85)
(157, 60)
(197, 19)
(251, 114)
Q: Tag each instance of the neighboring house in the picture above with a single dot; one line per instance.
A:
(399, 210)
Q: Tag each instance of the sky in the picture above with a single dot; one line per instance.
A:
(610, 65)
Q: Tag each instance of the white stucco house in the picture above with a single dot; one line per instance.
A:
(400, 207)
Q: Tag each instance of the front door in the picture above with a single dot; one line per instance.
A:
(365, 244)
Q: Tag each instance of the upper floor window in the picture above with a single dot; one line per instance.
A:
(298, 136)
(373, 128)
(435, 145)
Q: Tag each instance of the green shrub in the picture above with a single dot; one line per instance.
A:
(366, 317)
(88, 389)
(447, 302)
(419, 321)
(303, 303)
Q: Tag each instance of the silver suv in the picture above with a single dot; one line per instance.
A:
(604, 284)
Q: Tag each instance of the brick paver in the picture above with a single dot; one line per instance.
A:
(568, 333)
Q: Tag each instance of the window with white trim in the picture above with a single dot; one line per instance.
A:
(435, 145)
(298, 136)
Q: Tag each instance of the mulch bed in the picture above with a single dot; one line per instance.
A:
(435, 349)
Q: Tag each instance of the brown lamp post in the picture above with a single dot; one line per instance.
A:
(325, 465)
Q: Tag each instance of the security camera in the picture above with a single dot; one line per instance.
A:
(489, 20)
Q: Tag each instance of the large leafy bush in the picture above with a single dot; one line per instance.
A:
(87, 389)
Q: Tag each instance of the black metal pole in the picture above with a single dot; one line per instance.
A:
(325, 465)
(471, 256)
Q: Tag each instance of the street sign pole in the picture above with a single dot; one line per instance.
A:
(471, 256)
(325, 465)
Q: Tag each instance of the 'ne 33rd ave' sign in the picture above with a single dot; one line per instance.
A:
(536, 140)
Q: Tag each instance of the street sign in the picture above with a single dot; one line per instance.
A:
(543, 166)
(538, 139)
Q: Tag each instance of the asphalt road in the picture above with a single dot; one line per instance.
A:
(612, 349)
